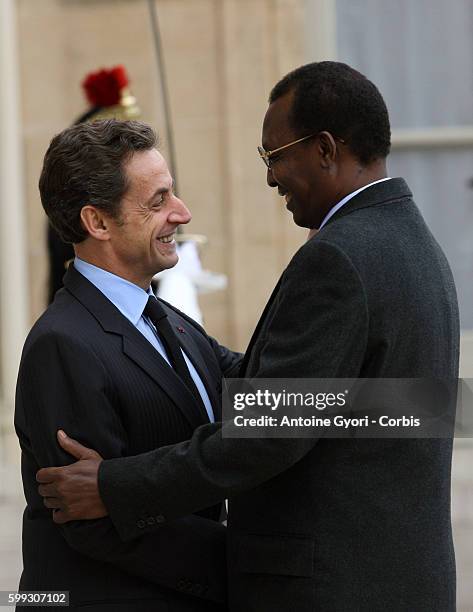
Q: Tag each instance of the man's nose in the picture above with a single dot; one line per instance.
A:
(180, 213)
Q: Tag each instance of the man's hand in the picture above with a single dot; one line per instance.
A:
(72, 491)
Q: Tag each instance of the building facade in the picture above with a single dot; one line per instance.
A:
(222, 58)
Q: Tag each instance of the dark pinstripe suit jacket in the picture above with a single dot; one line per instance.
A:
(86, 369)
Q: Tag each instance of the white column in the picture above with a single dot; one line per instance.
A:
(13, 265)
(320, 30)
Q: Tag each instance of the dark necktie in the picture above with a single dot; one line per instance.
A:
(155, 312)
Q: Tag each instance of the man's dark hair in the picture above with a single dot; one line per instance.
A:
(334, 97)
(83, 165)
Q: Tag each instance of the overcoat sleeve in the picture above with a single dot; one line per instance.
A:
(317, 328)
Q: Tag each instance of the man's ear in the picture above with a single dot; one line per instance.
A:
(327, 148)
(95, 222)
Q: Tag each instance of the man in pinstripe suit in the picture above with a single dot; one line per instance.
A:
(95, 365)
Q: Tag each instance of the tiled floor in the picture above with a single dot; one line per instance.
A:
(10, 542)
(11, 508)
(462, 513)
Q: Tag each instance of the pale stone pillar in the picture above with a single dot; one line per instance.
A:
(320, 27)
(259, 43)
(13, 270)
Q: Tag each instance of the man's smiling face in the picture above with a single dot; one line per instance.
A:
(299, 172)
(143, 237)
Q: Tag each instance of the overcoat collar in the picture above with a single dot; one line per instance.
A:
(387, 191)
(379, 193)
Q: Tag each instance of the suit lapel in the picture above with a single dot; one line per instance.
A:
(139, 350)
(135, 346)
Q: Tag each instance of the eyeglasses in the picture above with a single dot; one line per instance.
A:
(266, 155)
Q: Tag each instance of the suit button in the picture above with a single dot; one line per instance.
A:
(160, 518)
(150, 520)
(181, 584)
(141, 524)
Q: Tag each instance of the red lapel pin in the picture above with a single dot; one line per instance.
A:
(180, 330)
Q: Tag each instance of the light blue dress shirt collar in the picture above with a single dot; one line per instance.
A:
(127, 297)
(347, 198)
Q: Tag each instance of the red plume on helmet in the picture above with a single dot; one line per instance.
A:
(103, 88)
(108, 93)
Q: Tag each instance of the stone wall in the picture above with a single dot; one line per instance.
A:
(222, 57)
